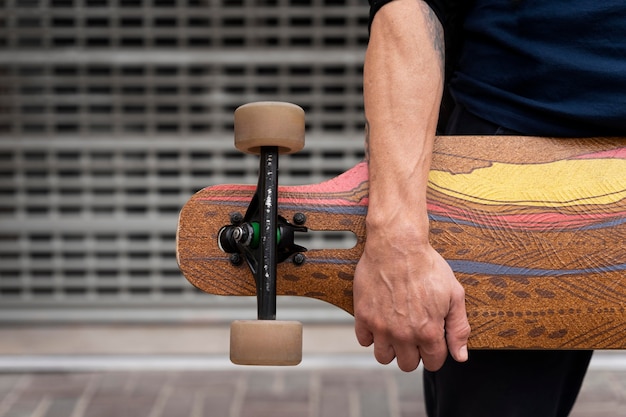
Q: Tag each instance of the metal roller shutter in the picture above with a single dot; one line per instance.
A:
(113, 112)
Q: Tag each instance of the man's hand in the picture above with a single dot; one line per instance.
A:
(409, 304)
(406, 298)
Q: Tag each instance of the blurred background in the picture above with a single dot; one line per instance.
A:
(114, 112)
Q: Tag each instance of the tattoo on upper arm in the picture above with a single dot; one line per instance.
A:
(436, 32)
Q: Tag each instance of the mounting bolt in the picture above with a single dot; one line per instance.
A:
(235, 259)
(299, 218)
(236, 218)
(299, 259)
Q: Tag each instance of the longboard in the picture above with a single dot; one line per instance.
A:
(534, 229)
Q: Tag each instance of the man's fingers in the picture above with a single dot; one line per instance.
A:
(408, 357)
(383, 351)
(363, 335)
(458, 329)
(434, 349)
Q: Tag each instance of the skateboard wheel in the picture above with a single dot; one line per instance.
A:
(266, 342)
(269, 123)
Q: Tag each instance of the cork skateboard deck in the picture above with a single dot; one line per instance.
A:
(534, 229)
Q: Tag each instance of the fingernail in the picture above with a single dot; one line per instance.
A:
(463, 353)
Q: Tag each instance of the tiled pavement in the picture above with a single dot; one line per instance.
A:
(329, 384)
(239, 393)
(348, 393)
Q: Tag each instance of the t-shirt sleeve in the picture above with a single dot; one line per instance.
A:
(438, 6)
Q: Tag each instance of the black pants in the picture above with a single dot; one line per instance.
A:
(523, 383)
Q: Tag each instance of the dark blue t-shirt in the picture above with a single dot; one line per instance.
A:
(546, 67)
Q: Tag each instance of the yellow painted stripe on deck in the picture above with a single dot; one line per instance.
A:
(555, 184)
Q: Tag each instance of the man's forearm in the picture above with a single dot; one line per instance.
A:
(403, 82)
(407, 301)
